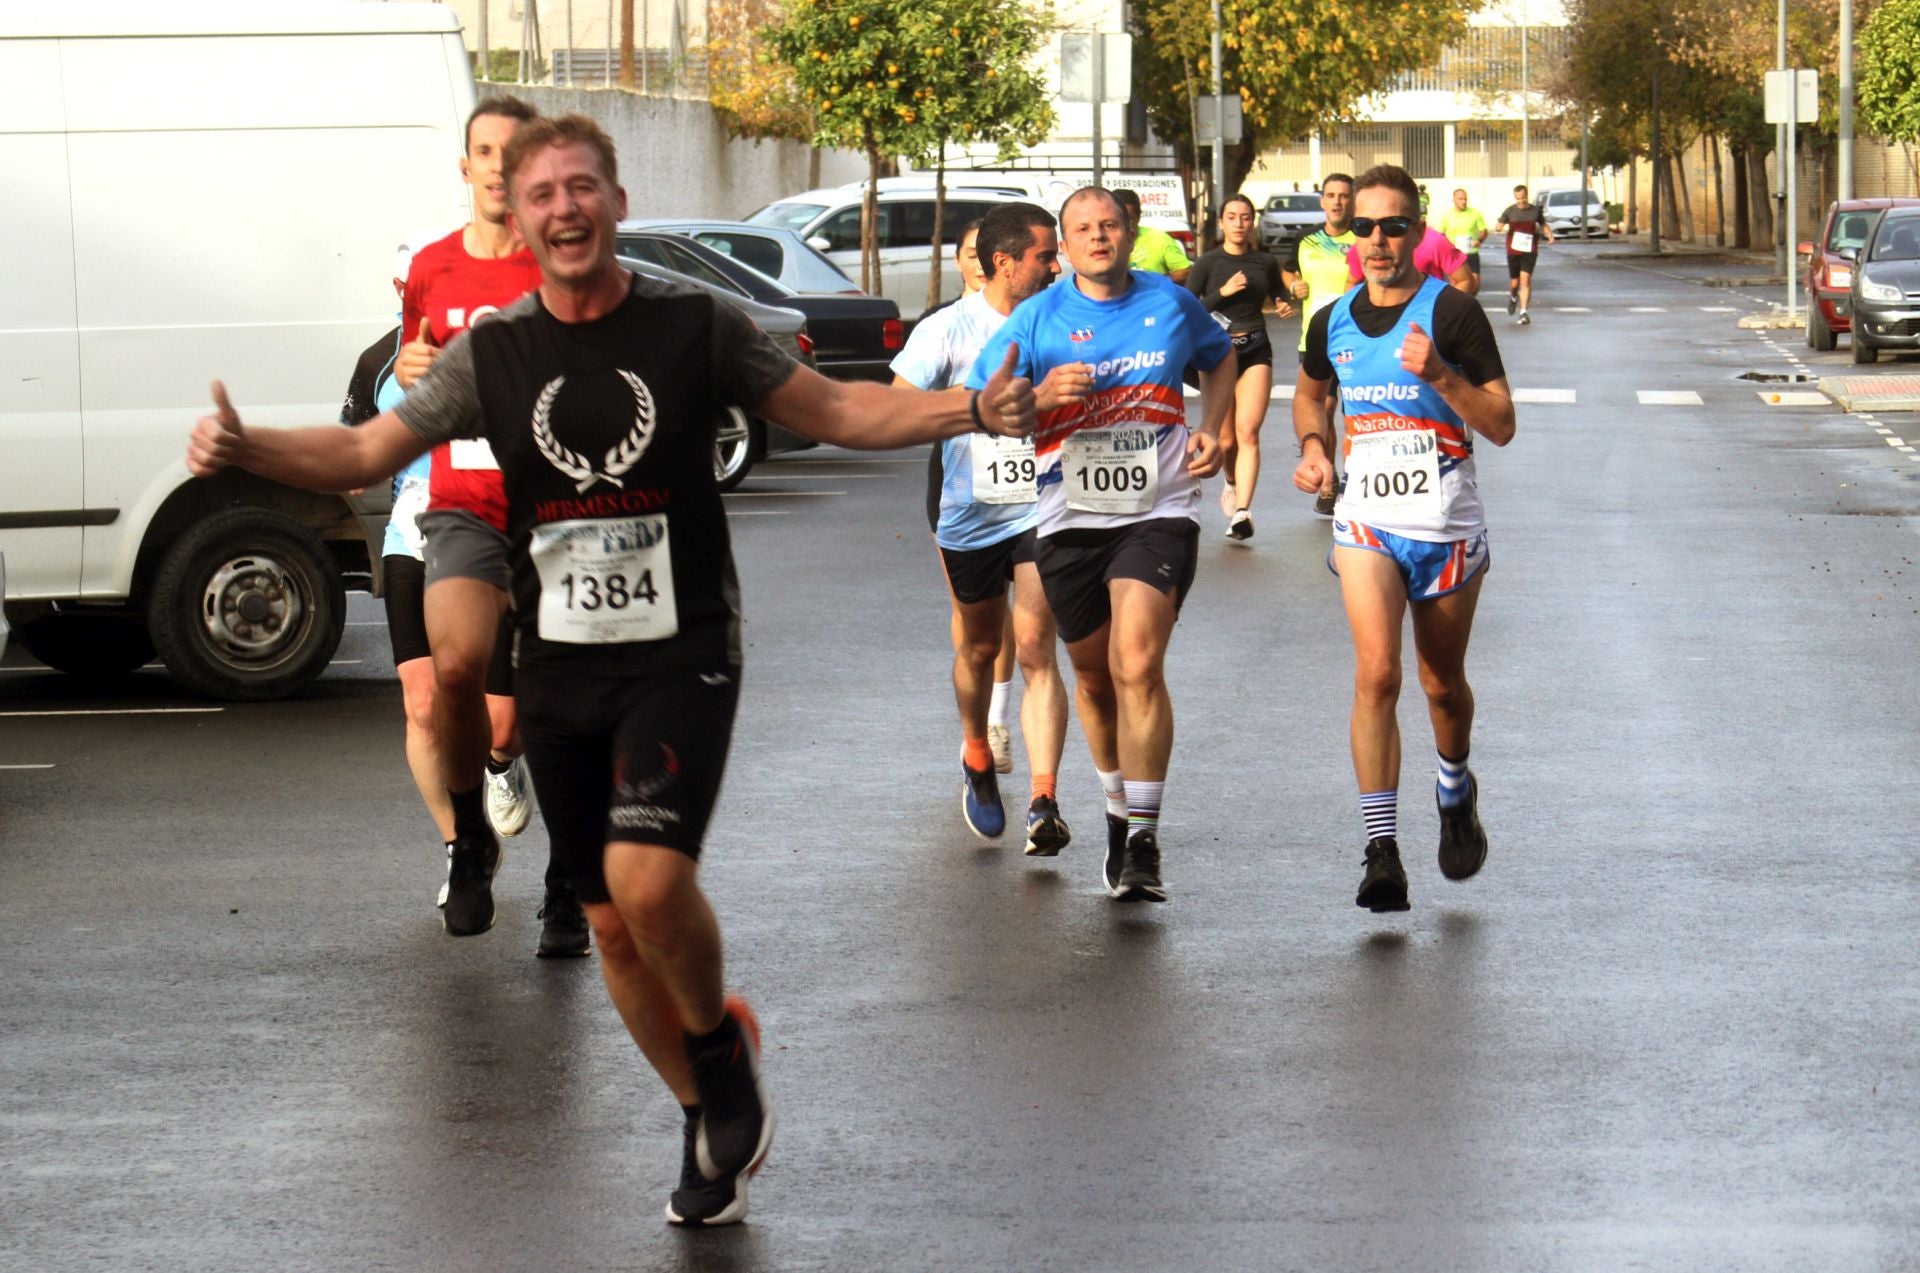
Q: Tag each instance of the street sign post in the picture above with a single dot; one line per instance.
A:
(1231, 121)
(1096, 67)
(1792, 99)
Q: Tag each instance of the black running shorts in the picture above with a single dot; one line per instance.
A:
(500, 669)
(1519, 263)
(461, 545)
(637, 759)
(1473, 262)
(981, 574)
(403, 588)
(1253, 349)
(1076, 566)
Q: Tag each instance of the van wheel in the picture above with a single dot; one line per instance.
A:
(247, 606)
(738, 444)
(87, 644)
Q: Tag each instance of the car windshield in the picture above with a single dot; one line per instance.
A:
(788, 216)
(1849, 231)
(1569, 199)
(1294, 203)
(1897, 240)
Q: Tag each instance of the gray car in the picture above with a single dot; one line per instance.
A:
(775, 251)
(1287, 219)
(1885, 292)
(744, 440)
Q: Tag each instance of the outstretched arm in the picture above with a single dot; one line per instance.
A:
(326, 458)
(868, 416)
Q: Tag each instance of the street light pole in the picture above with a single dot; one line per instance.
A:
(1215, 194)
(1782, 231)
(1654, 222)
(1846, 99)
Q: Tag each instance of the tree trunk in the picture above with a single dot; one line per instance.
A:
(1762, 198)
(1742, 230)
(626, 43)
(870, 223)
(813, 167)
(1719, 197)
(939, 217)
(1633, 193)
(1683, 193)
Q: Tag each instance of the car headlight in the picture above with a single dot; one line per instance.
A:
(1839, 276)
(1873, 291)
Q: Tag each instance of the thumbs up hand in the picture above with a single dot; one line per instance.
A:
(416, 357)
(1006, 405)
(217, 439)
(1417, 355)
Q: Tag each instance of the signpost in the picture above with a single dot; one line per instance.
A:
(1792, 96)
(1096, 67)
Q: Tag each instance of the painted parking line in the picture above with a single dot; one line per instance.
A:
(1669, 398)
(123, 711)
(1793, 398)
(1560, 396)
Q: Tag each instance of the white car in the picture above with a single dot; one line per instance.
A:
(1563, 213)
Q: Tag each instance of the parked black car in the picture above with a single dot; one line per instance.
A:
(854, 336)
(1885, 296)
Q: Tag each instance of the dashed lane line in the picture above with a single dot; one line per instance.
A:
(1669, 398)
(26, 766)
(122, 711)
(1793, 398)
(1564, 397)
(1646, 309)
(780, 494)
(1719, 309)
(1571, 309)
(758, 512)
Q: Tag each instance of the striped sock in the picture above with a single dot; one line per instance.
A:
(1381, 809)
(1116, 792)
(1143, 806)
(1451, 785)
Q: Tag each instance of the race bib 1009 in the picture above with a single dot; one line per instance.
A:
(1003, 470)
(1111, 470)
(605, 582)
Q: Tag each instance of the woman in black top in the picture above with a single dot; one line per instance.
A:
(1235, 281)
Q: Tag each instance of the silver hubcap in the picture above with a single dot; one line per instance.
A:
(253, 609)
(730, 444)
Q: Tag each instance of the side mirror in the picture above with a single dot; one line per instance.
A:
(820, 243)
(1851, 253)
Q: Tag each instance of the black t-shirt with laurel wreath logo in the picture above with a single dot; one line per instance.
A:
(604, 431)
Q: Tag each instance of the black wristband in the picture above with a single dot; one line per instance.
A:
(973, 409)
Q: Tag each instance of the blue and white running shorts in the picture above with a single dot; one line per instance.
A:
(1427, 569)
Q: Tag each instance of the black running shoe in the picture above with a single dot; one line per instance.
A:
(1463, 842)
(1513, 302)
(736, 1120)
(563, 926)
(1323, 503)
(471, 865)
(1116, 851)
(700, 1202)
(1140, 870)
(1384, 886)
(1047, 832)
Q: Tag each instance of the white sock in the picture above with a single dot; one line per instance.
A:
(1116, 789)
(997, 708)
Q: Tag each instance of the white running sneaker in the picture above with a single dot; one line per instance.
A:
(509, 800)
(1000, 743)
(1229, 502)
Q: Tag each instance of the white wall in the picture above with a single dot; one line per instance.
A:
(677, 160)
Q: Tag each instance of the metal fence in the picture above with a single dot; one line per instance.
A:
(579, 43)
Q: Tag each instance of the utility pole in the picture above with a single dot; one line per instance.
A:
(1846, 99)
(1654, 222)
(1583, 178)
(1782, 231)
(1526, 110)
(1215, 194)
(1099, 44)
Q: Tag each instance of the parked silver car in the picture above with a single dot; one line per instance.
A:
(1563, 213)
(1885, 295)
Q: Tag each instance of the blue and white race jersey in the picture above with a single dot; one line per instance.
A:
(409, 491)
(987, 489)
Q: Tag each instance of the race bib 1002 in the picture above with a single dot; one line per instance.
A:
(1394, 478)
(1111, 470)
(1003, 470)
(605, 582)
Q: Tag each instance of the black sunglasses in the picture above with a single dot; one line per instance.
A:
(1392, 227)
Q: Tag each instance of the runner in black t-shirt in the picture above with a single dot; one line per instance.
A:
(599, 395)
(1526, 228)
(1235, 281)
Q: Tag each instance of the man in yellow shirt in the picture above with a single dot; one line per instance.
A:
(1465, 228)
(1154, 251)
(1318, 277)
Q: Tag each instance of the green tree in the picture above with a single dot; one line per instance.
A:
(754, 91)
(906, 77)
(1298, 65)
(1888, 86)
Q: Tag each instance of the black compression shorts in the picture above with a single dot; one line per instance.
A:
(637, 759)
(1253, 349)
(404, 591)
(1076, 566)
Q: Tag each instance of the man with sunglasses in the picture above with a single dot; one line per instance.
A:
(1419, 374)
(1317, 276)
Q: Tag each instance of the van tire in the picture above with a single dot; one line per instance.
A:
(93, 645)
(247, 606)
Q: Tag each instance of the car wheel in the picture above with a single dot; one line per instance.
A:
(87, 644)
(738, 444)
(247, 606)
(1862, 352)
(1819, 334)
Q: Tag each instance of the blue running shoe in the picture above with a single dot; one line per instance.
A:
(980, 802)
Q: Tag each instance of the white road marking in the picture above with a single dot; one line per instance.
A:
(780, 494)
(758, 512)
(26, 766)
(1544, 395)
(1896, 441)
(1718, 309)
(343, 662)
(1792, 398)
(1669, 398)
(820, 477)
(1282, 393)
(1646, 309)
(124, 711)
(1572, 309)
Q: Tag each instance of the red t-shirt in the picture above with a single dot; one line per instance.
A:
(453, 289)
(1434, 256)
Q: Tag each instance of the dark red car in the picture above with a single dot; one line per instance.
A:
(1830, 265)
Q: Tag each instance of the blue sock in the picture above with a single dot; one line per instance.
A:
(1381, 809)
(1451, 785)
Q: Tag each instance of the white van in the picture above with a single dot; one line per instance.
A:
(197, 190)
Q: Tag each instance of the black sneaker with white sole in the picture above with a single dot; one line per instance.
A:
(1116, 851)
(700, 1202)
(1513, 303)
(1140, 870)
(1384, 886)
(1463, 841)
(1047, 832)
(563, 926)
(471, 864)
(736, 1119)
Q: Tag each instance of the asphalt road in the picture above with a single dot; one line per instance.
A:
(1670, 1026)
